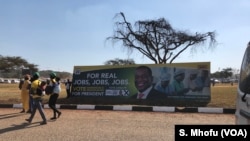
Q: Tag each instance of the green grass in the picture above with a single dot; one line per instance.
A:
(222, 95)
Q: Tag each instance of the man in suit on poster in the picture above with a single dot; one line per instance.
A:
(144, 84)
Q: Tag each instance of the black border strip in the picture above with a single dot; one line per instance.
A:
(103, 107)
(186, 109)
(6, 105)
(68, 106)
(229, 111)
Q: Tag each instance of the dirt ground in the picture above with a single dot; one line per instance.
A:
(98, 125)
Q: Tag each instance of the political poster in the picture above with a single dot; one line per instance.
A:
(186, 81)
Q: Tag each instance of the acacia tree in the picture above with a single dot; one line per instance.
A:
(14, 66)
(157, 40)
(224, 73)
(118, 61)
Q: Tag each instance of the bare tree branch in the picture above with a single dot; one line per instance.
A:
(157, 40)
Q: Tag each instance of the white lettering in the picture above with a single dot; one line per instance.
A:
(108, 75)
(199, 132)
(93, 75)
(100, 82)
(120, 82)
(81, 82)
(233, 132)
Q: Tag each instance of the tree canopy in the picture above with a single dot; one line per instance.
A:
(224, 73)
(9, 63)
(157, 40)
(15, 66)
(118, 61)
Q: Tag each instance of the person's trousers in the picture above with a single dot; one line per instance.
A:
(31, 103)
(37, 105)
(68, 93)
(52, 103)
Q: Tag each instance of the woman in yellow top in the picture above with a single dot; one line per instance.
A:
(25, 93)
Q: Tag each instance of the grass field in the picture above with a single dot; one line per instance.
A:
(10, 94)
(222, 95)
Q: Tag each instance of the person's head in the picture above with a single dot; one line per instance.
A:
(193, 74)
(179, 75)
(52, 75)
(43, 83)
(47, 81)
(58, 79)
(27, 77)
(165, 79)
(36, 75)
(204, 73)
(143, 78)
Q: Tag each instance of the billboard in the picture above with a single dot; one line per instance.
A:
(179, 81)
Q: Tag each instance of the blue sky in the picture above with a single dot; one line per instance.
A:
(61, 34)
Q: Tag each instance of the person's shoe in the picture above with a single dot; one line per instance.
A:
(29, 111)
(28, 120)
(59, 114)
(53, 118)
(22, 111)
(42, 123)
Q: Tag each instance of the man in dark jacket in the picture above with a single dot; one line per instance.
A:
(144, 84)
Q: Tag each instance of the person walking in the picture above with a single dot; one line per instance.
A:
(55, 83)
(25, 93)
(37, 99)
